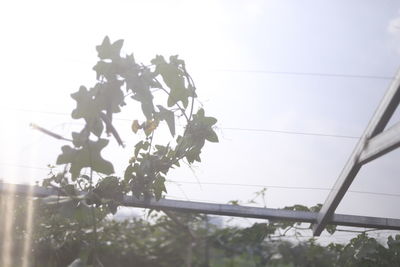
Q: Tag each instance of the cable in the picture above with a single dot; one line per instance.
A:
(24, 166)
(319, 74)
(222, 128)
(292, 73)
(238, 184)
(290, 132)
(286, 187)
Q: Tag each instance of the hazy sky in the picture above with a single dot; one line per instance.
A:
(240, 54)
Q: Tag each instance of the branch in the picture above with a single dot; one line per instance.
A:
(110, 128)
(191, 82)
(43, 130)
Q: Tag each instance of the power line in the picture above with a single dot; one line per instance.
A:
(290, 132)
(24, 166)
(286, 187)
(290, 73)
(318, 74)
(222, 128)
(238, 184)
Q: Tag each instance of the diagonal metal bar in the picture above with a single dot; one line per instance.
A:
(376, 125)
(381, 144)
(224, 209)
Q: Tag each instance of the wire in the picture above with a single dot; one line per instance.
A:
(291, 73)
(24, 166)
(319, 74)
(286, 187)
(290, 132)
(177, 182)
(222, 128)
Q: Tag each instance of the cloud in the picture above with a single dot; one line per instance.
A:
(394, 26)
(393, 29)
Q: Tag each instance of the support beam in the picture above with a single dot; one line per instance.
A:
(377, 124)
(224, 209)
(381, 144)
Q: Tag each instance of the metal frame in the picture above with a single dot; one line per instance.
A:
(374, 143)
(222, 209)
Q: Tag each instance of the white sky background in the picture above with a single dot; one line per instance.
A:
(48, 50)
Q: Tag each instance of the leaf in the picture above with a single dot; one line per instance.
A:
(139, 84)
(109, 51)
(107, 70)
(169, 117)
(85, 106)
(87, 156)
(109, 188)
(193, 155)
(96, 126)
(174, 78)
(150, 126)
(109, 96)
(159, 187)
(212, 137)
(79, 139)
(87, 109)
(128, 172)
(331, 229)
(141, 145)
(135, 126)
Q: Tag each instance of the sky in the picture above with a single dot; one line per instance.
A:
(299, 66)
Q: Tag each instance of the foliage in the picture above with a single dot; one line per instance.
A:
(119, 76)
(182, 240)
(145, 174)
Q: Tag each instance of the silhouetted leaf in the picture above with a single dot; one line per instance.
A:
(87, 156)
(169, 117)
(159, 187)
(109, 96)
(109, 51)
(135, 126)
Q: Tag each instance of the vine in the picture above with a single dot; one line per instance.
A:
(144, 176)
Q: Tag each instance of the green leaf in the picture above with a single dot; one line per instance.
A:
(109, 51)
(85, 106)
(173, 77)
(109, 96)
(331, 229)
(79, 139)
(212, 137)
(107, 70)
(96, 126)
(193, 155)
(141, 145)
(128, 172)
(88, 156)
(109, 187)
(159, 187)
(169, 117)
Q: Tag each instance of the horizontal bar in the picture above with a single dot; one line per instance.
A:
(381, 144)
(223, 209)
(377, 124)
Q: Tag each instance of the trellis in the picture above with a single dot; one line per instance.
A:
(375, 142)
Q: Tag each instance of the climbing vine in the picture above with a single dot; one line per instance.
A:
(120, 77)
